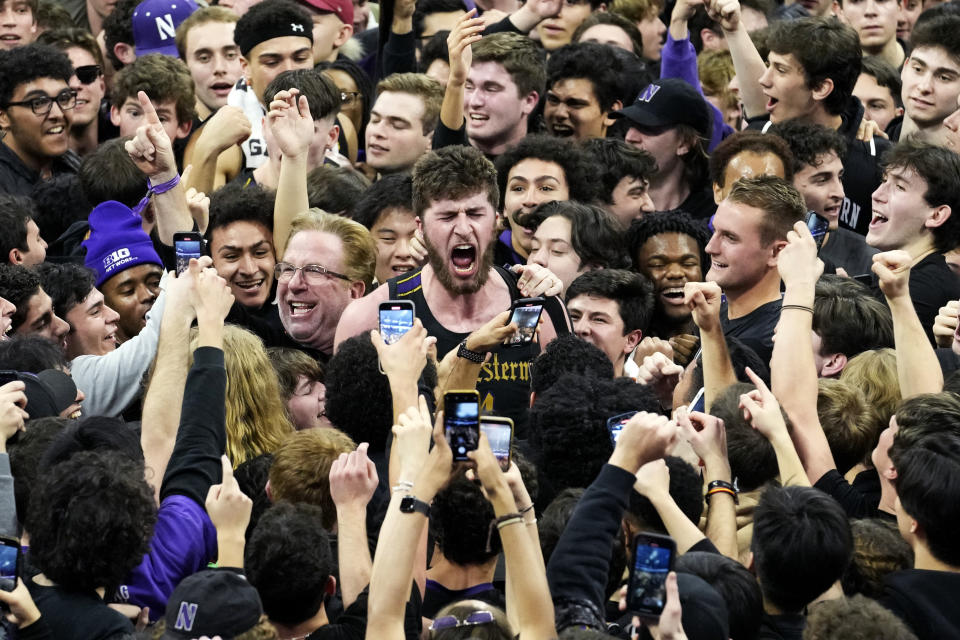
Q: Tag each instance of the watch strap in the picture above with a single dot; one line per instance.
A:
(467, 354)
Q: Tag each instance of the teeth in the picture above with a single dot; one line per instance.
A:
(251, 284)
(463, 246)
(476, 116)
(56, 130)
(300, 308)
(76, 414)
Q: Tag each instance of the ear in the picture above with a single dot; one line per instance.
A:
(419, 224)
(332, 136)
(607, 120)
(269, 491)
(750, 561)
(833, 365)
(4, 119)
(15, 257)
(939, 216)
(126, 53)
(710, 39)
(775, 249)
(529, 103)
(631, 340)
(357, 290)
(717, 193)
(684, 146)
(330, 588)
(183, 129)
(343, 34)
(245, 69)
(115, 115)
(430, 141)
(822, 90)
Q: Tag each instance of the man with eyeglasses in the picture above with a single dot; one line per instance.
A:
(86, 129)
(36, 104)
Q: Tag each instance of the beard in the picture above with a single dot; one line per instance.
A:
(458, 285)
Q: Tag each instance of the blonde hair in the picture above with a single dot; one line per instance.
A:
(359, 249)
(875, 374)
(257, 420)
(636, 10)
(264, 630)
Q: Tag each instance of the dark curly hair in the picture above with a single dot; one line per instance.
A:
(653, 224)
(619, 160)
(359, 402)
(579, 168)
(17, 285)
(95, 433)
(32, 354)
(23, 64)
(25, 454)
(91, 519)
(568, 353)
(593, 62)
(595, 233)
(460, 520)
(568, 425)
(686, 489)
(67, 284)
(235, 203)
(878, 551)
(393, 191)
(809, 141)
(755, 142)
(289, 561)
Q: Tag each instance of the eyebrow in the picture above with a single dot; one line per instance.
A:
(232, 247)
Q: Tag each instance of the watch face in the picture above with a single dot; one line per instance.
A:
(407, 504)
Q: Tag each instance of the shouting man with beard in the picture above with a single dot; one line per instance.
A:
(455, 199)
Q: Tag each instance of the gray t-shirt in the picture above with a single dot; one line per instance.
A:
(849, 250)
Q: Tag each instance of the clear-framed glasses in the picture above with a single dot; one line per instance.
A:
(451, 622)
(349, 97)
(312, 273)
(41, 105)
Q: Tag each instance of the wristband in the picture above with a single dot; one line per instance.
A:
(155, 189)
(503, 521)
(526, 508)
(403, 485)
(722, 486)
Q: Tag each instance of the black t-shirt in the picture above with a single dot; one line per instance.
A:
(859, 500)
(437, 596)
(926, 601)
(78, 615)
(932, 285)
(699, 204)
(788, 626)
(754, 329)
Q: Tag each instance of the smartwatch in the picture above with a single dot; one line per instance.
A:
(472, 356)
(409, 504)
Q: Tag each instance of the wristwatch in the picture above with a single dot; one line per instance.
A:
(410, 504)
(472, 356)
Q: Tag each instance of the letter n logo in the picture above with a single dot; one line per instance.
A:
(165, 28)
(647, 94)
(186, 616)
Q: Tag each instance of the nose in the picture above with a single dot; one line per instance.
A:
(646, 203)
(247, 264)
(60, 327)
(581, 327)
(145, 294)
(879, 195)
(538, 257)
(764, 80)
(529, 198)
(634, 137)
(402, 249)
(81, 396)
(112, 316)
(674, 272)
(711, 247)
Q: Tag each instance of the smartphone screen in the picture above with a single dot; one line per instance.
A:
(186, 246)
(699, 402)
(652, 561)
(9, 561)
(396, 318)
(526, 315)
(500, 436)
(615, 425)
(818, 226)
(461, 422)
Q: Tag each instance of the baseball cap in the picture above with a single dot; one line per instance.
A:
(667, 103)
(343, 9)
(48, 392)
(155, 25)
(213, 602)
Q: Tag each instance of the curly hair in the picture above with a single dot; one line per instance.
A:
(118, 28)
(854, 618)
(460, 518)
(301, 469)
(32, 354)
(619, 160)
(359, 401)
(26, 451)
(393, 191)
(878, 551)
(595, 233)
(256, 417)
(289, 562)
(653, 224)
(754, 142)
(579, 168)
(235, 203)
(809, 142)
(29, 62)
(67, 284)
(17, 285)
(874, 372)
(91, 519)
(64, 39)
(568, 425)
(568, 353)
(162, 78)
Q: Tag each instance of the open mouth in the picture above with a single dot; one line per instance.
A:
(402, 268)
(56, 131)
(717, 265)
(249, 286)
(9, 37)
(301, 308)
(674, 295)
(771, 103)
(464, 258)
(478, 117)
(877, 220)
(562, 130)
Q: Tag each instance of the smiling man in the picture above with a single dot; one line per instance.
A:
(35, 107)
(33, 315)
(386, 209)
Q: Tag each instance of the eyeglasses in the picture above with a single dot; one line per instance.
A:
(453, 622)
(349, 97)
(88, 73)
(41, 105)
(312, 273)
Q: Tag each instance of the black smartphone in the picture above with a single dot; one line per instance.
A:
(500, 436)
(461, 422)
(396, 318)
(615, 424)
(9, 563)
(818, 226)
(8, 376)
(187, 244)
(525, 313)
(653, 557)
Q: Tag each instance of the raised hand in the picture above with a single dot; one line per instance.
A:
(653, 478)
(797, 262)
(290, 122)
(726, 12)
(893, 270)
(228, 127)
(228, 507)
(645, 437)
(467, 31)
(661, 374)
(705, 433)
(684, 346)
(761, 409)
(703, 300)
(151, 149)
(537, 281)
(945, 326)
(353, 479)
(405, 358)
(545, 8)
(411, 439)
(12, 415)
(212, 297)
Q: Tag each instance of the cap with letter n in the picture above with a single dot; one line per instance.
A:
(155, 25)
(669, 102)
(213, 602)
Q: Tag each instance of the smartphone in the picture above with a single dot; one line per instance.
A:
(187, 244)
(8, 376)
(461, 422)
(653, 557)
(525, 313)
(818, 226)
(396, 318)
(500, 436)
(698, 403)
(615, 425)
(865, 279)
(9, 563)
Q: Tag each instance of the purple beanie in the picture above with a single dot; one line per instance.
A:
(117, 241)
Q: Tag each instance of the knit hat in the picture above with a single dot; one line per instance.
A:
(155, 25)
(213, 602)
(117, 241)
(667, 103)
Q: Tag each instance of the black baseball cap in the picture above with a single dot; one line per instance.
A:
(667, 103)
(213, 602)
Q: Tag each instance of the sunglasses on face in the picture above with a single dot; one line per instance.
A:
(88, 73)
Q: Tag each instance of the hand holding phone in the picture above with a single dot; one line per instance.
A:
(653, 559)
(615, 424)
(396, 318)
(818, 226)
(499, 432)
(525, 313)
(9, 563)
(461, 422)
